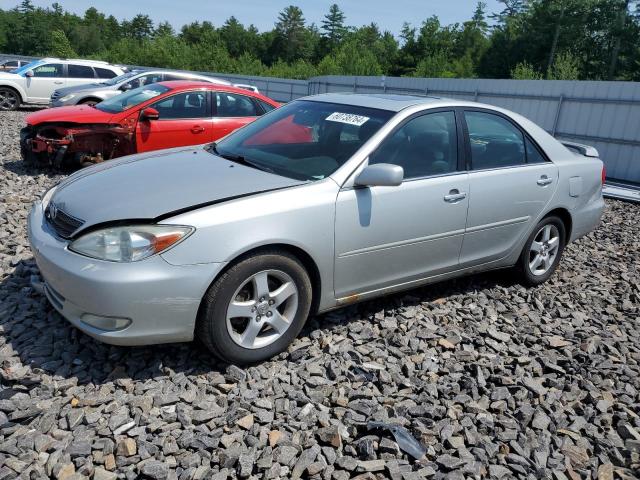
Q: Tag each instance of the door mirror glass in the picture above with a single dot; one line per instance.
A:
(150, 114)
(380, 175)
(28, 73)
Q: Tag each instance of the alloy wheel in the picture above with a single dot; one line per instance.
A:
(8, 100)
(262, 309)
(544, 249)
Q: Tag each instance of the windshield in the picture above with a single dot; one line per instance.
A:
(26, 67)
(120, 78)
(305, 140)
(130, 99)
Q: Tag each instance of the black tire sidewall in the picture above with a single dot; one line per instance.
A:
(220, 294)
(528, 277)
(15, 94)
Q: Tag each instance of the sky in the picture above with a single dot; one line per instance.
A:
(389, 15)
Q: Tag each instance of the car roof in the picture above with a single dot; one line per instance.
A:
(382, 101)
(187, 84)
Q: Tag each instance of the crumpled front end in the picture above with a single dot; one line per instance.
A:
(68, 146)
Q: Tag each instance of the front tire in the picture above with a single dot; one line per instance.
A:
(9, 99)
(256, 308)
(542, 251)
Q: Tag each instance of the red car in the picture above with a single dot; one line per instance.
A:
(153, 117)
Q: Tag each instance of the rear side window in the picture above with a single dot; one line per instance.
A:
(233, 105)
(495, 142)
(13, 63)
(49, 70)
(424, 146)
(105, 73)
(79, 71)
(533, 153)
(267, 107)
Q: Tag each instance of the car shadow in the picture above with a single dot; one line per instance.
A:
(20, 168)
(37, 342)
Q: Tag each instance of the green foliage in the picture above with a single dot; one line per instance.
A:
(528, 39)
(525, 71)
(565, 67)
(60, 46)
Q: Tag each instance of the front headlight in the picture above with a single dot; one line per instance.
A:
(47, 197)
(67, 97)
(129, 244)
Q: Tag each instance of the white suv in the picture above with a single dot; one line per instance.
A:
(35, 82)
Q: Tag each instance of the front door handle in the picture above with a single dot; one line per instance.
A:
(197, 129)
(57, 82)
(455, 196)
(544, 180)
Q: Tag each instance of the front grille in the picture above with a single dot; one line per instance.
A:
(63, 223)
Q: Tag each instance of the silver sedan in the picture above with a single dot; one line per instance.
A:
(327, 201)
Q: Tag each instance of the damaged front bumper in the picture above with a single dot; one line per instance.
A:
(74, 146)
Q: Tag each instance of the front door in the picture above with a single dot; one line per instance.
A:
(387, 236)
(185, 119)
(510, 184)
(46, 78)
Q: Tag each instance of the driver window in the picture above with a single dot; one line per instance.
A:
(50, 70)
(143, 80)
(425, 145)
(183, 105)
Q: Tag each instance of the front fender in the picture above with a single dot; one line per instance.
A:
(16, 86)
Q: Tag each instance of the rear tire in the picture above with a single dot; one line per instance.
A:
(542, 251)
(256, 308)
(9, 99)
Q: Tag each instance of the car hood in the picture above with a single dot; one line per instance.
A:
(159, 184)
(10, 75)
(72, 114)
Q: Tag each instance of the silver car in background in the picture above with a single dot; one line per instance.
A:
(96, 92)
(326, 201)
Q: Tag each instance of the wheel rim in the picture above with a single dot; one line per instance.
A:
(544, 249)
(262, 309)
(8, 100)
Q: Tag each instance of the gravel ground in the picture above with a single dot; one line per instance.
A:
(495, 380)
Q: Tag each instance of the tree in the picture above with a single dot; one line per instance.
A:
(291, 35)
(525, 71)
(333, 28)
(139, 28)
(164, 29)
(60, 46)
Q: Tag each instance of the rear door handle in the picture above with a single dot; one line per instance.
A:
(544, 180)
(454, 196)
(197, 129)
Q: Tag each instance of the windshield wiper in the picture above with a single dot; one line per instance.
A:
(212, 147)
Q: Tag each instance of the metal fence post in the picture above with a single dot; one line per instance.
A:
(555, 120)
(355, 84)
(475, 96)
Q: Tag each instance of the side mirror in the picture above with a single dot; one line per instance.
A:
(28, 73)
(380, 175)
(150, 113)
(125, 86)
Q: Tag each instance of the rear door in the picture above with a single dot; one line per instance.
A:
(185, 119)
(46, 78)
(510, 184)
(232, 111)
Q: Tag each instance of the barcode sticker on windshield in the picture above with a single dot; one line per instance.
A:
(349, 118)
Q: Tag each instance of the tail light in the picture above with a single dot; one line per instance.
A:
(604, 174)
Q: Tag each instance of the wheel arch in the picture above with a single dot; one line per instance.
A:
(89, 98)
(564, 215)
(19, 91)
(299, 253)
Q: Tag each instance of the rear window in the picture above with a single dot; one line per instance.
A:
(105, 73)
